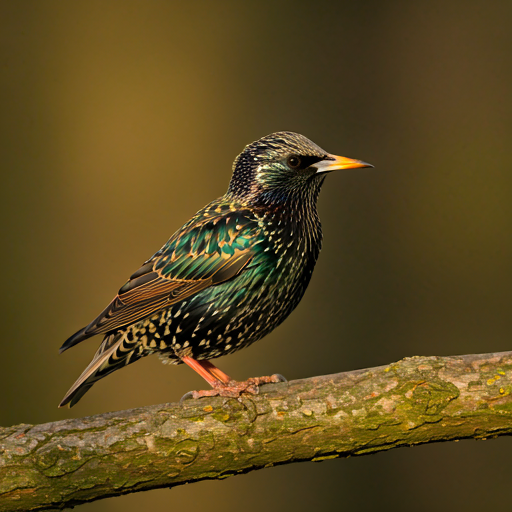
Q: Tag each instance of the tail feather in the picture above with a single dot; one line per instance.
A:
(114, 352)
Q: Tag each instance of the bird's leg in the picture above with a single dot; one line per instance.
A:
(223, 384)
(204, 369)
(216, 372)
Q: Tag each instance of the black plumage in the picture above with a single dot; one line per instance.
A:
(228, 277)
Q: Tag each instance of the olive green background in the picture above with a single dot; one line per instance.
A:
(120, 119)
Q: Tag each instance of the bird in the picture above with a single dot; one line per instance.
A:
(227, 277)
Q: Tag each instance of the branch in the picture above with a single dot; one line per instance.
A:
(416, 400)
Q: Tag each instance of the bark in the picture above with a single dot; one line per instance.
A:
(414, 401)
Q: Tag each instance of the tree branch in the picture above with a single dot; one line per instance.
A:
(416, 400)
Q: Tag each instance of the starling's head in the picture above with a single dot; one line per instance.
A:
(282, 165)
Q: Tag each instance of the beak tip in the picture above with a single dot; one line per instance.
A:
(334, 163)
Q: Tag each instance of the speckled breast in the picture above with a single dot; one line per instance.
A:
(238, 312)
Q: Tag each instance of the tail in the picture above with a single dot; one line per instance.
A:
(114, 352)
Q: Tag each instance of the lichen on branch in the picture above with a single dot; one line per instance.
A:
(416, 400)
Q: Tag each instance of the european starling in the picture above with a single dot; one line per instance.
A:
(228, 277)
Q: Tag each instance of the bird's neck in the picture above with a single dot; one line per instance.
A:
(296, 218)
(302, 197)
(291, 207)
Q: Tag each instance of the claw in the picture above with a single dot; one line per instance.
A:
(222, 384)
(234, 389)
(187, 396)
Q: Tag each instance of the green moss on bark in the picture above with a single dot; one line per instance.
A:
(416, 400)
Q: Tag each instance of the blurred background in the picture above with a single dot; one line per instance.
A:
(120, 119)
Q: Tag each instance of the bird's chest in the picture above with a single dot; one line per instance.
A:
(235, 313)
(293, 245)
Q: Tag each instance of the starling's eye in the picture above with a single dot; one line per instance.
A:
(294, 161)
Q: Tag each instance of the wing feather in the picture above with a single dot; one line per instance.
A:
(192, 260)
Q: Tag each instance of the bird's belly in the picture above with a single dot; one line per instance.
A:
(224, 318)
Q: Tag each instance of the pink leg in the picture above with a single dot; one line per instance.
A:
(222, 384)
(209, 367)
(205, 372)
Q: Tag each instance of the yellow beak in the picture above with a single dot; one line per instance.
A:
(335, 163)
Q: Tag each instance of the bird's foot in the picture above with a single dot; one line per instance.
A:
(233, 388)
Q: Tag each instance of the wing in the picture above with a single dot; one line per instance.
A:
(212, 248)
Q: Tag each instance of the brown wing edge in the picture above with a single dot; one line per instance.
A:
(86, 332)
(142, 277)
